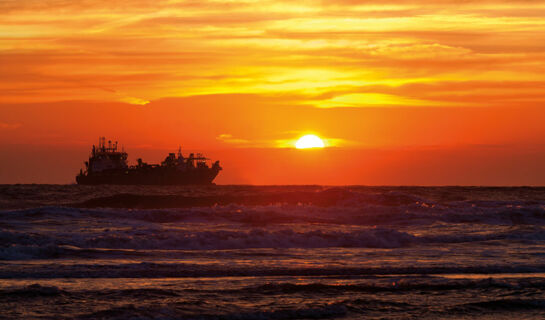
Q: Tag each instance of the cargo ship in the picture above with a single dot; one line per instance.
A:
(108, 165)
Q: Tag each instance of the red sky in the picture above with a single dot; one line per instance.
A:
(405, 92)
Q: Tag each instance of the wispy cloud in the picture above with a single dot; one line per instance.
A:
(67, 50)
(229, 139)
(9, 126)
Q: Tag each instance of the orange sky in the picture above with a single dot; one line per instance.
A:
(407, 92)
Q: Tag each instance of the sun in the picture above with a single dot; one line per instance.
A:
(309, 141)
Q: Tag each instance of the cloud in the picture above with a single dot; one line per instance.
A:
(228, 138)
(9, 126)
(134, 100)
(361, 100)
(280, 143)
(328, 142)
(357, 52)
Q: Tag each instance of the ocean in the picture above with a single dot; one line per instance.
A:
(271, 252)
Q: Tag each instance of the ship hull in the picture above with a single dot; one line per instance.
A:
(153, 177)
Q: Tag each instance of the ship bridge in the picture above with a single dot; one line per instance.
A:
(106, 157)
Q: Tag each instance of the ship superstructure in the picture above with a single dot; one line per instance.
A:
(108, 165)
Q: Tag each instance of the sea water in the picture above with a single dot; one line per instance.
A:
(271, 252)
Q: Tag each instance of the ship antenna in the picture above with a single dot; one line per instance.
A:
(102, 144)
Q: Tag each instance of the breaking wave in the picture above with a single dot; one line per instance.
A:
(144, 239)
(389, 284)
(406, 210)
(20, 246)
(188, 270)
(173, 311)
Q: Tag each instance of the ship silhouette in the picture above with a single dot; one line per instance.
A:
(108, 165)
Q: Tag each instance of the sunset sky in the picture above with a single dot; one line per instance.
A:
(403, 92)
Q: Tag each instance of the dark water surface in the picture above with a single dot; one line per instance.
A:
(271, 252)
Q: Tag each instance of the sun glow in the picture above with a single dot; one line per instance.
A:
(309, 141)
